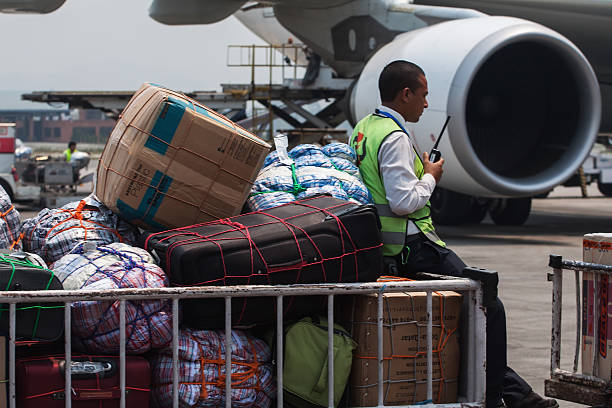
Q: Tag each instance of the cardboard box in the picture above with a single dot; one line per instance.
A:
(171, 162)
(405, 349)
(597, 353)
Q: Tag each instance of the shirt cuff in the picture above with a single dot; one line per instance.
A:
(430, 180)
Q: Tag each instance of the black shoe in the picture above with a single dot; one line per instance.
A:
(533, 400)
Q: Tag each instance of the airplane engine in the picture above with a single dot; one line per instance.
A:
(524, 103)
(193, 11)
(30, 6)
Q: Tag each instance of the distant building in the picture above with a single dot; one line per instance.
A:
(37, 122)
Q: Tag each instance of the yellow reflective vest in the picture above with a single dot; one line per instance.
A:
(368, 136)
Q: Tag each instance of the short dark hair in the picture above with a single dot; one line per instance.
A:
(396, 76)
(71, 143)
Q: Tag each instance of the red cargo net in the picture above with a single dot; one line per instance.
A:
(349, 249)
(303, 260)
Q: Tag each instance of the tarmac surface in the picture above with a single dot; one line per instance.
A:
(520, 255)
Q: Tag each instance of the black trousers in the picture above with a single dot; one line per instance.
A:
(502, 381)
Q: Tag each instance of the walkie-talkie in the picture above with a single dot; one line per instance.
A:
(435, 154)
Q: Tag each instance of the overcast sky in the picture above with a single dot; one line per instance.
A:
(115, 45)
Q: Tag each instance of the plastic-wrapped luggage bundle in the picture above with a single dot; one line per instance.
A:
(202, 371)
(55, 232)
(95, 324)
(315, 170)
(10, 223)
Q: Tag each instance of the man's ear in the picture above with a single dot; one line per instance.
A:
(406, 94)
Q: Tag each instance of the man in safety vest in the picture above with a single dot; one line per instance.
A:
(68, 152)
(401, 183)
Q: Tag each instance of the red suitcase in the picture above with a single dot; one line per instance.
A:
(95, 382)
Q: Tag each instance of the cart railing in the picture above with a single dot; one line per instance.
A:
(474, 345)
(565, 384)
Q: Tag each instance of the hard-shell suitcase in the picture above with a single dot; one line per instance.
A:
(317, 240)
(39, 321)
(95, 382)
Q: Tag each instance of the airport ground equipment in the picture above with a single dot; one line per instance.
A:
(564, 384)
(52, 181)
(8, 174)
(43, 179)
(473, 391)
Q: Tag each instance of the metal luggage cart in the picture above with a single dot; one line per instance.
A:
(474, 345)
(565, 384)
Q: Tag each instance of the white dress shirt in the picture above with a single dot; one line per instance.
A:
(404, 191)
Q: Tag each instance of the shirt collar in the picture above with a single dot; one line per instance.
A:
(393, 113)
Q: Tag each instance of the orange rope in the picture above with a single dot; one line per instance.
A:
(237, 379)
(3, 215)
(445, 335)
(77, 214)
(16, 242)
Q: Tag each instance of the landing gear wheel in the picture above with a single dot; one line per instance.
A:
(511, 211)
(605, 188)
(449, 207)
(543, 195)
(478, 211)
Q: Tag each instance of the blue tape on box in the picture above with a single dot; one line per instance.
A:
(150, 203)
(165, 127)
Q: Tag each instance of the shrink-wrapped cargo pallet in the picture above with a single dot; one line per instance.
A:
(171, 162)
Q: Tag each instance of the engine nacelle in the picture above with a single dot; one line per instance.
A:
(524, 101)
(175, 12)
(30, 6)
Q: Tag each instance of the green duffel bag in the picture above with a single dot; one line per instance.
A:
(305, 379)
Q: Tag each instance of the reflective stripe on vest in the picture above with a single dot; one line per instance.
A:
(384, 210)
(368, 136)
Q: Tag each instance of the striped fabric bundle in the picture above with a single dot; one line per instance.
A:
(55, 232)
(202, 371)
(95, 324)
(10, 223)
(316, 170)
